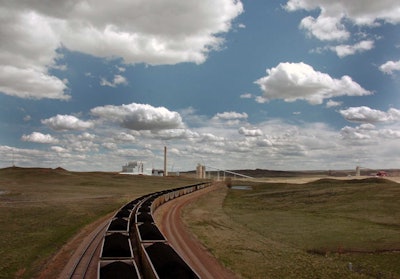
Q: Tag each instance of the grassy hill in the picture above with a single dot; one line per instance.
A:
(41, 209)
(323, 229)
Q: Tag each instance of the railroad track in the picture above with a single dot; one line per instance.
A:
(86, 263)
(130, 245)
(134, 247)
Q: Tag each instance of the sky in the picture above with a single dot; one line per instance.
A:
(284, 85)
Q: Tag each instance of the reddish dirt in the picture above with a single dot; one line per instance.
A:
(169, 221)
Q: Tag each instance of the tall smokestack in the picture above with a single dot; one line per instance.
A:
(165, 161)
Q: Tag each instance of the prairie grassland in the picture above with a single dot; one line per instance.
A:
(41, 209)
(322, 229)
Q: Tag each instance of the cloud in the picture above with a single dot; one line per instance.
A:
(39, 138)
(390, 66)
(59, 149)
(246, 96)
(28, 49)
(156, 33)
(169, 33)
(82, 143)
(325, 28)
(360, 12)
(230, 118)
(346, 50)
(118, 80)
(336, 18)
(278, 145)
(31, 83)
(331, 104)
(365, 114)
(140, 116)
(124, 137)
(250, 132)
(299, 81)
(368, 133)
(231, 115)
(66, 122)
(175, 134)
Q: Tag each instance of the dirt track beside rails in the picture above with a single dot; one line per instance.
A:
(168, 219)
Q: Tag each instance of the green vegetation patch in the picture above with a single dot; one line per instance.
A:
(324, 229)
(355, 221)
(41, 209)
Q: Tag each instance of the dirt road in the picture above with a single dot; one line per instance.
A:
(168, 218)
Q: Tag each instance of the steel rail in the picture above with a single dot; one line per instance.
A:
(83, 254)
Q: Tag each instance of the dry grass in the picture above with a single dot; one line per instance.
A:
(311, 230)
(41, 209)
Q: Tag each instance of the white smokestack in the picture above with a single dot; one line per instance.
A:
(165, 161)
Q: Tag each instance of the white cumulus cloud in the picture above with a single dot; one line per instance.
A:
(250, 132)
(230, 115)
(154, 32)
(140, 116)
(361, 12)
(118, 80)
(346, 50)
(331, 104)
(66, 122)
(27, 50)
(299, 81)
(325, 28)
(390, 66)
(39, 138)
(336, 18)
(365, 114)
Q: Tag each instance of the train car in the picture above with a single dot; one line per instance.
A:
(134, 224)
(160, 261)
(121, 225)
(116, 246)
(149, 232)
(111, 269)
(144, 217)
(123, 213)
(172, 195)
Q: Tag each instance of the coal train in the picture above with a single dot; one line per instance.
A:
(134, 247)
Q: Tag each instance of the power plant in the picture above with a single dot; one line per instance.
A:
(133, 167)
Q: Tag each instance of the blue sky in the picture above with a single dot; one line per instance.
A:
(288, 85)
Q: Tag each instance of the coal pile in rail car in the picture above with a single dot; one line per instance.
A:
(118, 269)
(116, 245)
(144, 208)
(150, 232)
(144, 217)
(167, 263)
(123, 213)
(118, 224)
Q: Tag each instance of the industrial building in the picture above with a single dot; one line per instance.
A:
(134, 167)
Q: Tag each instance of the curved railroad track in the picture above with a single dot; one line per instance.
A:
(131, 245)
(168, 217)
(85, 265)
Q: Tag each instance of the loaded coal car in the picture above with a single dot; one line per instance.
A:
(144, 217)
(116, 246)
(119, 225)
(123, 213)
(149, 232)
(161, 261)
(121, 269)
